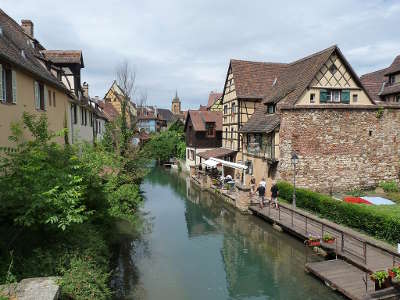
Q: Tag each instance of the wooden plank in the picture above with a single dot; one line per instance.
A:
(341, 276)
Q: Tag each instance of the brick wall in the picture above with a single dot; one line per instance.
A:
(340, 149)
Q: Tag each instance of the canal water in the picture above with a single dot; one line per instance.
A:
(194, 246)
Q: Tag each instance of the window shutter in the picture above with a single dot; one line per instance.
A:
(45, 97)
(323, 95)
(37, 95)
(2, 98)
(14, 86)
(345, 97)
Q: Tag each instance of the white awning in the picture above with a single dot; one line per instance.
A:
(228, 163)
(210, 163)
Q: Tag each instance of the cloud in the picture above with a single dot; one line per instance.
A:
(186, 45)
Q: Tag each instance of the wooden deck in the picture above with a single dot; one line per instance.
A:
(343, 277)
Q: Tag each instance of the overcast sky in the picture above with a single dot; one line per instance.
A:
(186, 45)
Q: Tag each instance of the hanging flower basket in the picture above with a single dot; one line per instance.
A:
(329, 239)
(313, 241)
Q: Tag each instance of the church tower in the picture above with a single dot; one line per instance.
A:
(176, 105)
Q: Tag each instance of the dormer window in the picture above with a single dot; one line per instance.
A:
(271, 108)
(391, 79)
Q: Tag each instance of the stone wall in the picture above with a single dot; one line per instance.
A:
(340, 149)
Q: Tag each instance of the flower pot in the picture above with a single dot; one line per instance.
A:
(331, 241)
(385, 284)
(314, 243)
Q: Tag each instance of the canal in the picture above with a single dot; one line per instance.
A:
(194, 246)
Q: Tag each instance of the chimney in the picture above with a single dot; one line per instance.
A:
(27, 26)
(85, 89)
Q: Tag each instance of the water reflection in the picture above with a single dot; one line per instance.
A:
(200, 248)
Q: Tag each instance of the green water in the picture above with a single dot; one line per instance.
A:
(197, 247)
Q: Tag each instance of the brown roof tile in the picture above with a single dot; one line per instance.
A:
(254, 79)
(109, 111)
(260, 121)
(216, 153)
(64, 56)
(199, 119)
(18, 48)
(374, 83)
(212, 98)
(394, 67)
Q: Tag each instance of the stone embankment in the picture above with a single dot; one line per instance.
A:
(43, 288)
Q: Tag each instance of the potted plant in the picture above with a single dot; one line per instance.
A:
(394, 274)
(313, 241)
(381, 279)
(328, 238)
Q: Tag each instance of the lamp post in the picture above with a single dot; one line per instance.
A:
(295, 160)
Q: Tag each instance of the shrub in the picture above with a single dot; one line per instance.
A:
(381, 222)
(389, 186)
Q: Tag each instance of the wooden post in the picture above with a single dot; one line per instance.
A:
(306, 225)
(342, 242)
(365, 252)
(292, 218)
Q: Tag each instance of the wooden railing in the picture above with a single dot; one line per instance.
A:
(348, 244)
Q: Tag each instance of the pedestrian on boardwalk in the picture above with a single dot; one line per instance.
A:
(261, 194)
(263, 183)
(252, 185)
(274, 195)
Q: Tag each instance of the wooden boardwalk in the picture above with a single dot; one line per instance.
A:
(343, 277)
(360, 255)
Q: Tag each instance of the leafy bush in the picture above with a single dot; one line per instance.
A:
(381, 222)
(389, 186)
(84, 280)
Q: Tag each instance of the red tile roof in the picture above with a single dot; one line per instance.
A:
(199, 119)
(254, 79)
(109, 111)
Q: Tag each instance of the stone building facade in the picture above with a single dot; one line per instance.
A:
(340, 149)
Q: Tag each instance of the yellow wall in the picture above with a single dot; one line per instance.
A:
(26, 102)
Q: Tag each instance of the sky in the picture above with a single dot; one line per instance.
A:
(186, 45)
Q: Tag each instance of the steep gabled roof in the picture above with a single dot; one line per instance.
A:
(64, 56)
(394, 67)
(254, 79)
(109, 111)
(374, 83)
(165, 114)
(19, 49)
(298, 75)
(212, 98)
(199, 119)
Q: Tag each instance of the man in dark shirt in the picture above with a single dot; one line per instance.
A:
(261, 194)
(274, 195)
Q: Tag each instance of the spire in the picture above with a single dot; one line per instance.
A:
(176, 98)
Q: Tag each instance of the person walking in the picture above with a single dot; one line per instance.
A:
(274, 195)
(261, 194)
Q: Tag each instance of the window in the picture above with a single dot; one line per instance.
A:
(226, 133)
(210, 129)
(225, 109)
(312, 98)
(334, 96)
(8, 85)
(355, 98)
(233, 108)
(74, 113)
(91, 119)
(54, 99)
(397, 98)
(271, 108)
(231, 133)
(49, 96)
(391, 79)
(333, 69)
(258, 138)
(248, 139)
(40, 96)
(82, 116)
(85, 117)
